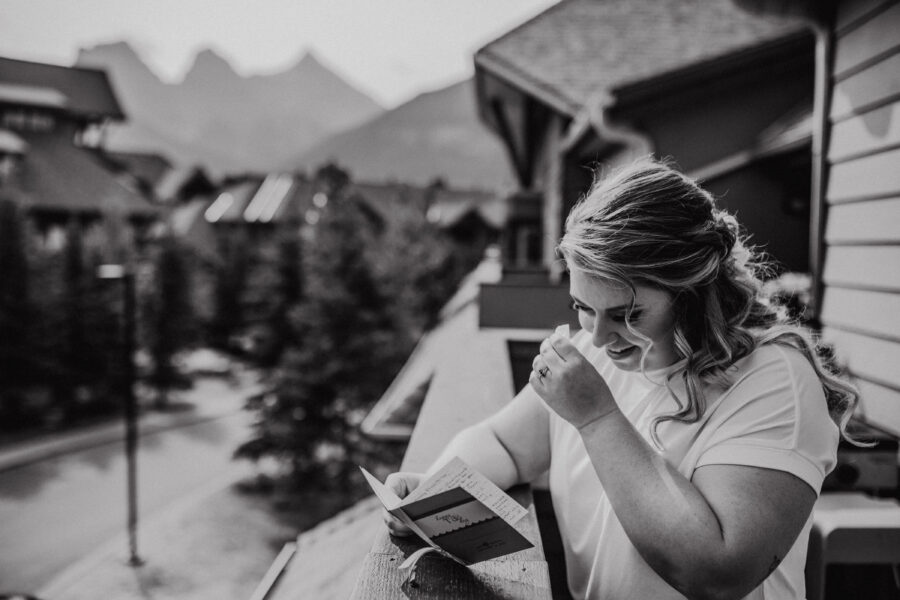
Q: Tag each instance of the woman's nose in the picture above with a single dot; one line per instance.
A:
(603, 333)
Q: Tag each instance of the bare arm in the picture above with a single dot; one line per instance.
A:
(715, 536)
(510, 447)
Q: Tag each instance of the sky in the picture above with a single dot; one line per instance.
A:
(388, 49)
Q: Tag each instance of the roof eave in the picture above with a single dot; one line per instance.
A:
(523, 81)
(739, 160)
(635, 92)
(806, 9)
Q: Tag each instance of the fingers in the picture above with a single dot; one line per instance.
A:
(395, 526)
(540, 366)
(399, 484)
(550, 344)
(555, 352)
(563, 347)
(549, 357)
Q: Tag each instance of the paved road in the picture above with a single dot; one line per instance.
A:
(58, 509)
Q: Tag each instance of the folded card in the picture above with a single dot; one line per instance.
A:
(458, 512)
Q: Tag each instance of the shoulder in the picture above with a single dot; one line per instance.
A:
(775, 381)
(774, 388)
(775, 365)
(774, 415)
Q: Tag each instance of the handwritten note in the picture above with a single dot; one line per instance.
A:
(457, 473)
(459, 512)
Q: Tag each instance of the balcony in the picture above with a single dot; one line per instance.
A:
(473, 362)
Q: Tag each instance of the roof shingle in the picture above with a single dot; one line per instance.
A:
(88, 92)
(55, 175)
(579, 48)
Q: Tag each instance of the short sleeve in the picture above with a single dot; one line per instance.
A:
(774, 416)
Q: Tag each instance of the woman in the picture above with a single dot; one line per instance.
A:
(688, 426)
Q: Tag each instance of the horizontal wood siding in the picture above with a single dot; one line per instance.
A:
(852, 11)
(872, 313)
(875, 131)
(871, 176)
(861, 303)
(872, 359)
(872, 39)
(858, 223)
(863, 267)
(880, 405)
(866, 89)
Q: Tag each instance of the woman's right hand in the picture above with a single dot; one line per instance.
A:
(402, 484)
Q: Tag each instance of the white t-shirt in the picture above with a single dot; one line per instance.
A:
(773, 415)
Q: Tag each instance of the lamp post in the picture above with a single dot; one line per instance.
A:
(126, 278)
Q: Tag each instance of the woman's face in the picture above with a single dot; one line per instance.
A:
(602, 306)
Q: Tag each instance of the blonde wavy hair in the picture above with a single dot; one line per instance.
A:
(648, 224)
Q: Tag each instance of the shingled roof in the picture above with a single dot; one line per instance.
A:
(57, 176)
(579, 48)
(87, 92)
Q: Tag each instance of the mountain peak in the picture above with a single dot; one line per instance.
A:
(121, 48)
(310, 63)
(208, 61)
(309, 58)
(119, 57)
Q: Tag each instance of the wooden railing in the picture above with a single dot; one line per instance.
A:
(523, 575)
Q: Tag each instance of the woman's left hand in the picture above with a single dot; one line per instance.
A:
(569, 384)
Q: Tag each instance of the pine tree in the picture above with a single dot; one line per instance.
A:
(167, 323)
(70, 345)
(421, 267)
(343, 354)
(229, 282)
(283, 289)
(15, 313)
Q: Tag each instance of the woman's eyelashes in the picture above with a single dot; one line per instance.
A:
(630, 318)
(579, 307)
(618, 317)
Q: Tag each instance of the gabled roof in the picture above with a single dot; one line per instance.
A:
(229, 205)
(15, 94)
(578, 49)
(446, 206)
(276, 197)
(449, 207)
(57, 176)
(148, 167)
(175, 182)
(382, 196)
(87, 92)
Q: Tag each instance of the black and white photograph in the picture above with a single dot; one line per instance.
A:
(405, 299)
